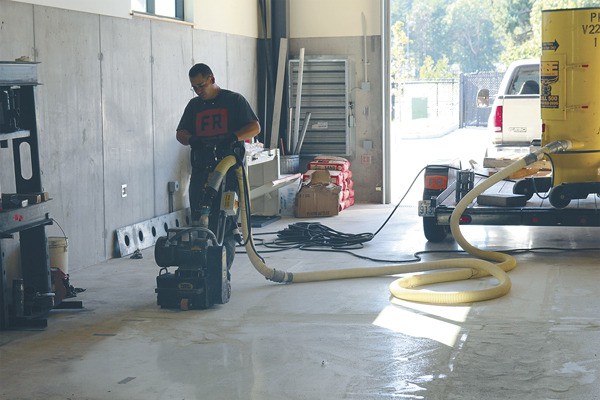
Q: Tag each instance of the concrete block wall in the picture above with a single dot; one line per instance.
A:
(113, 90)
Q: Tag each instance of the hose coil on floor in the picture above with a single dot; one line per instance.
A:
(487, 263)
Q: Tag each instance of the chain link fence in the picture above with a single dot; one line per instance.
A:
(470, 113)
(451, 101)
(436, 99)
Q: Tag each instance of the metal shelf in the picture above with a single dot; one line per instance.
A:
(14, 135)
(25, 287)
(5, 137)
(18, 73)
(265, 180)
(19, 219)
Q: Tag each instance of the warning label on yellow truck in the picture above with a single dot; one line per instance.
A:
(549, 75)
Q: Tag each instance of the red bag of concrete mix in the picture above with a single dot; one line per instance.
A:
(345, 194)
(333, 158)
(336, 163)
(346, 203)
(337, 177)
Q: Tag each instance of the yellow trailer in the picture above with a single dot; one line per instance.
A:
(570, 100)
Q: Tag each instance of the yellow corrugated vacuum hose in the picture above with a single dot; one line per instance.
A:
(488, 262)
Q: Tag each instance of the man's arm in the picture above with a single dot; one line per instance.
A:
(183, 137)
(248, 131)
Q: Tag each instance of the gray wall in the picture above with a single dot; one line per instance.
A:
(112, 93)
(111, 96)
(367, 110)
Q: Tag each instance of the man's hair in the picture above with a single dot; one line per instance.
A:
(200, 69)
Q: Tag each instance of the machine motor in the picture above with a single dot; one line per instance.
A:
(201, 279)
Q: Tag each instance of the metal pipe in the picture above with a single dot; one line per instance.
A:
(364, 29)
(289, 131)
(303, 134)
(296, 131)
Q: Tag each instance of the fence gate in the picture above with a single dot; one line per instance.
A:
(470, 84)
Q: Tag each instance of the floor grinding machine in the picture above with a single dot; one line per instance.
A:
(202, 277)
(570, 104)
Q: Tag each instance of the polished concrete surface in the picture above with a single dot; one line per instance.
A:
(326, 340)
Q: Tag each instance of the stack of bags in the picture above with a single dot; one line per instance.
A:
(339, 174)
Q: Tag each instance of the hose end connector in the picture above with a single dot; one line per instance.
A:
(550, 148)
(281, 276)
(558, 145)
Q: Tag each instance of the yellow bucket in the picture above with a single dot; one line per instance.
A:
(570, 103)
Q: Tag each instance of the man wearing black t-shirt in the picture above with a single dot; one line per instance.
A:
(213, 124)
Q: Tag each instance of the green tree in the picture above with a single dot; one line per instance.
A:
(431, 70)
(512, 19)
(515, 29)
(400, 65)
(431, 35)
(399, 9)
(427, 30)
(474, 45)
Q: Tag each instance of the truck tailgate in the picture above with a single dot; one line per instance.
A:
(520, 125)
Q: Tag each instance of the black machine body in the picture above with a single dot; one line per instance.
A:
(201, 278)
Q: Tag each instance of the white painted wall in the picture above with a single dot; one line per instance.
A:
(308, 18)
(237, 17)
(114, 8)
(333, 18)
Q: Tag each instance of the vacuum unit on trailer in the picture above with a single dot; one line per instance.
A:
(570, 104)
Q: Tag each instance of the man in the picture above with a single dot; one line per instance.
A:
(214, 124)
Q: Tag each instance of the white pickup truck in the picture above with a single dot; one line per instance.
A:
(515, 118)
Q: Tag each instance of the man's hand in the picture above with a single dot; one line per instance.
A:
(195, 141)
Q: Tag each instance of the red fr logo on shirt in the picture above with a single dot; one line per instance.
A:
(211, 122)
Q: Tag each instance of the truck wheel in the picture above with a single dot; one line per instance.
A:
(433, 231)
(559, 198)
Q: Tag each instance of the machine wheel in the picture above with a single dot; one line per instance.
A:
(218, 275)
(161, 255)
(559, 198)
(433, 231)
(524, 187)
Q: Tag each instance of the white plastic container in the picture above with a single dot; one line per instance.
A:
(59, 254)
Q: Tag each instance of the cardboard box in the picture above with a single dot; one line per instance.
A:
(287, 198)
(325, 177)
(318, 201)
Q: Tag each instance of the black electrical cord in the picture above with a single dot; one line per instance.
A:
(313, 236)
(418, 255)
(316, 234)
(535, 190)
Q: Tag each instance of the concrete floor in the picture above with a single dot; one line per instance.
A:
(326, 340)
